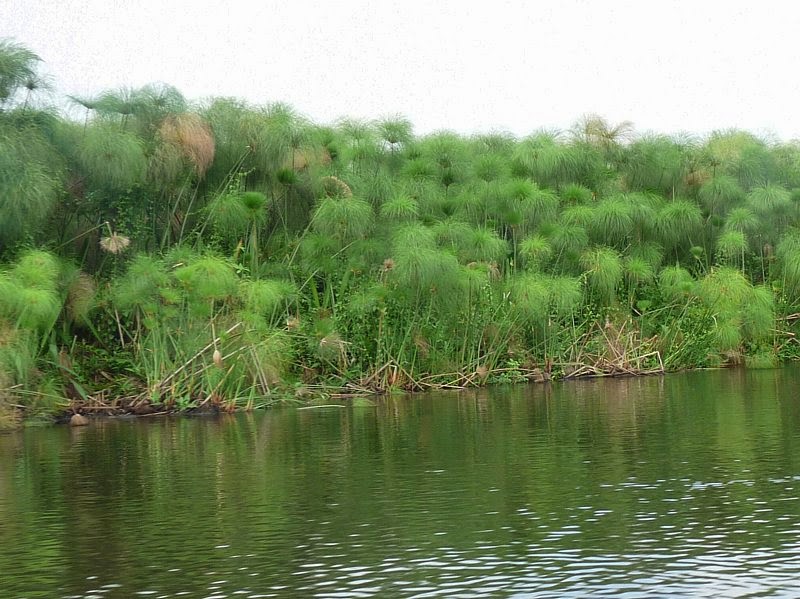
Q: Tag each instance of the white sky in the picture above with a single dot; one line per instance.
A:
(464, 65)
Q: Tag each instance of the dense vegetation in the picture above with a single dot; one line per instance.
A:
(159, 252)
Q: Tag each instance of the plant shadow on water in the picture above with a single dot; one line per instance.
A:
(679, 485)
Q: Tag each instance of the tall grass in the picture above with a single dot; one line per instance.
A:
(265, 250)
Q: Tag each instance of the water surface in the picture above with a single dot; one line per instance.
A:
(686, 485)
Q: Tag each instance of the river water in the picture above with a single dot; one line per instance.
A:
(686, 485)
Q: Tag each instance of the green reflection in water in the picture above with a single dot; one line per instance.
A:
(679, 483)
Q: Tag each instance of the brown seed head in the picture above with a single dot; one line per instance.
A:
(115, 243)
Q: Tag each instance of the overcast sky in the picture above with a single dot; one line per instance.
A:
(469, 66)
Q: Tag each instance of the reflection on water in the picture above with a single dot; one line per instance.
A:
(687, 485)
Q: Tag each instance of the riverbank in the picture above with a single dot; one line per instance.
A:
(160, 253)
(81, 412)
(241, 364)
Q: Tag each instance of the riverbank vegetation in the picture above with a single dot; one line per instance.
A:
(160, 254)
